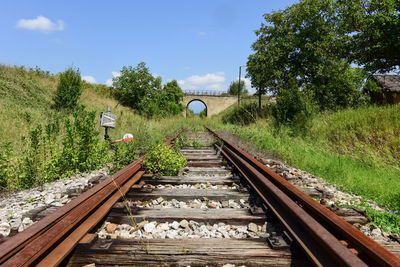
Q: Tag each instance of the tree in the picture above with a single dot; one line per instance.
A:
(303, 43)
(69, 89)
(134, 85)
(172, 97)
(163, 102)
(374, 27)
(234, 88)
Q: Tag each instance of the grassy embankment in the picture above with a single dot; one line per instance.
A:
(26, 102)
(25, 92)
(356, 150)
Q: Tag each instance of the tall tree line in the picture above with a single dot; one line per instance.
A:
(325, 49)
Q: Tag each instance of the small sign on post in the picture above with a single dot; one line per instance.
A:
(108, 120)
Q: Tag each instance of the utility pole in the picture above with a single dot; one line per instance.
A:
(240, 74)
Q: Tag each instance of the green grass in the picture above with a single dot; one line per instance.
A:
(350, 170)
(370, 134)
(26, 101)
(23, 91)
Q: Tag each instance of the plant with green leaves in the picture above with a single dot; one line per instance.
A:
(180, 141)
(389, 221)
(139, 89)
(304, 43)
(164, 160)
(69, 89)
(82, 149)
(5, 154)
(134, 84)
(234, 88)
(246, 114)
(124, 154)
(373, 27)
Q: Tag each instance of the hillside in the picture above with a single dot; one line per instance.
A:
(28, 93)
(40, 144)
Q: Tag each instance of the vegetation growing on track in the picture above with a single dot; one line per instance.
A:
(164, 160)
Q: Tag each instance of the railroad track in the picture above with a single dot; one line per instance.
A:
(223, 208)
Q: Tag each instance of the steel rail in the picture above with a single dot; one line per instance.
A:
(31, 245)
(369, 251)
(322, 247)
(19, 241)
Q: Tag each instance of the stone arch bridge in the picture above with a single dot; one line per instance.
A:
(215, 103)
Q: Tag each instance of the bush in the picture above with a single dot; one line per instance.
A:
(246, 114)
(124, 154)
(5, 154)
(164, 160)
(82, 149)
(69, 89)
(49, 156)
(292, 108)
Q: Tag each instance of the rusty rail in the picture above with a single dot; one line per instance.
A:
(49, 241)
(318, 231)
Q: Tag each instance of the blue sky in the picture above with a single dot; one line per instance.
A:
(199, 43)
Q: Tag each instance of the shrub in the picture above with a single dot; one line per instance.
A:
(124, 154)
(69, 89)
(5, 154)
(164, 160)
(181, 141)
(246, 114)
(292, 108)
(82, 149)
(49, 156)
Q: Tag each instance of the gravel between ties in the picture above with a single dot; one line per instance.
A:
(19, 210)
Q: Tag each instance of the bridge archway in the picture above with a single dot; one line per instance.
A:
(193, 100)
(214, 104)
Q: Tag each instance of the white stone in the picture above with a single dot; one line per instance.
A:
(149, 227)
(184, 223)
(172, 234)
(163, 226)
(175, 225)
(5, 228)
(49, 198)
(252, 227)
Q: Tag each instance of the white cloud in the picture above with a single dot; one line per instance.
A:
(115, 74)
(210, 81)
(89, 79)
(41, 24)
(109, 82)
(201, 33)
(247, 82)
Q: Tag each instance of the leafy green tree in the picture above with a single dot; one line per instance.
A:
(374, 28)
(69, 89)
(304, 43)
(234, 88)
(292, 107)
(134, 84)
(171, 98)
(140, 90)
(163, 102)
